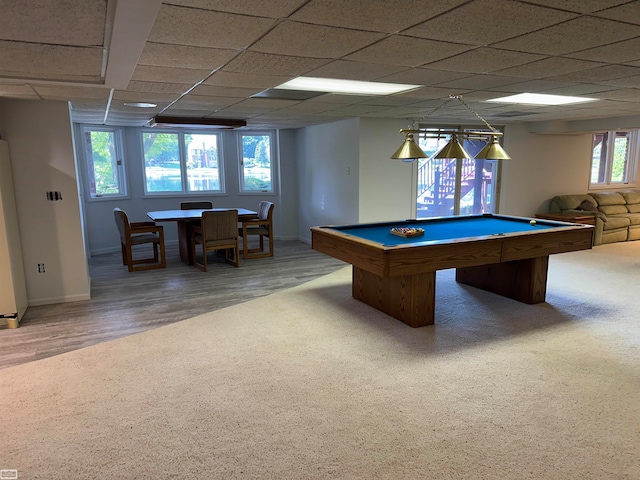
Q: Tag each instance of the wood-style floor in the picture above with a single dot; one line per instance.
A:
(124, 303)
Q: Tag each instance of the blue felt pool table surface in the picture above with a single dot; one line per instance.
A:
(442, 229)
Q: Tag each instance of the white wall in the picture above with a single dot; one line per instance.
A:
(41, 149)
(286, 212)
(386, 187)
(541, 167)
(328, 175)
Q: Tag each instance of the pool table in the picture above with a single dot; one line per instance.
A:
(502, 254)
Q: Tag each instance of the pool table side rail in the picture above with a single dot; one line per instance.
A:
(421, 257)
(356, 251)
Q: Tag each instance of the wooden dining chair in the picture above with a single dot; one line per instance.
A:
(262, 226)
(139, 233)
(218, 231)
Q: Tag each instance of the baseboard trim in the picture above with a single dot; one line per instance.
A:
(64, 299)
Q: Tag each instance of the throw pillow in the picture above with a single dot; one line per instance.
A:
(587, 206)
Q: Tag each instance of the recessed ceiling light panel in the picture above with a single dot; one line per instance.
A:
(349, 87)
(541, 99)
(140, 104)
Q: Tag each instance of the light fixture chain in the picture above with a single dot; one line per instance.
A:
(459, 97)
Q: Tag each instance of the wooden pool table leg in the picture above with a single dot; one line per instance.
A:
(409, 298)
(522, 280)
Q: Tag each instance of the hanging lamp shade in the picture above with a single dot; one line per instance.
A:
(493, 151)
(409, 150)
(453, 149)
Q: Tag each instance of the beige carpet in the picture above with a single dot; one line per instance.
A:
(311, 384)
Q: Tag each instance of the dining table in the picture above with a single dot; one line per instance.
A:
(186, 219)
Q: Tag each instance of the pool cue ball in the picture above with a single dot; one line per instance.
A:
(532, 222)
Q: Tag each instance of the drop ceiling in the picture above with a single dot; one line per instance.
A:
(208, 58)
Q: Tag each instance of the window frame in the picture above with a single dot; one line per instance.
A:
(272, 156)
(182, 153)
(633, 157)
(496, 165)
(121, 168)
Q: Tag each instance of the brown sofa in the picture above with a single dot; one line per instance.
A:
(617, 213)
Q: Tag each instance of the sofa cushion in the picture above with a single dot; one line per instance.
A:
(617, 221)
(633, 207)
(608, 198)
(569, 202)
(587, 206)
(613, 209)
(634, 218)
(631, 196)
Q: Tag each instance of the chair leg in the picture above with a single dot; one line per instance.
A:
(163, 255)
(232, 255)
(124, 253)
(204, 258)
(200, 266)
(129, 257)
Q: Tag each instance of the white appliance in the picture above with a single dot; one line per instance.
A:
(13, 290)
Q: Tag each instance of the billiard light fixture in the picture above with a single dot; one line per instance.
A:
(409, 150)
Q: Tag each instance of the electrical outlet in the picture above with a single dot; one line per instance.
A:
(41, 268)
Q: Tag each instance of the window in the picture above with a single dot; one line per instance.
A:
(182, 162)
(614, 158)
(256, 167)
(448, 187)
(103, 154)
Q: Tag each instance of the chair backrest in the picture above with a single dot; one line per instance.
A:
(222, 224)
(195, 205)
(265, 210)
(122, 221)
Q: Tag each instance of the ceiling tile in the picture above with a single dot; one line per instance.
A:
(147, 73)
(619, 52)
(17, 90)
(306, 40)
(205, 28)
(58, 22)
(64, 92)
(600, 74)
(260, 8)
(407, 51)
(181, 56)
(483, 22)
(191, 102)
(215, 91)
(123, 96)
(423, 76)
(483, 60)
(433, 93)
(629, 12)
(547, 67)
(633, 81)
(479, 82)
(579, 6)
(572, 36)
(157, 87)
(350, 70)
(269, 64)
(223, 78)
(390, 16)
(30, 60)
